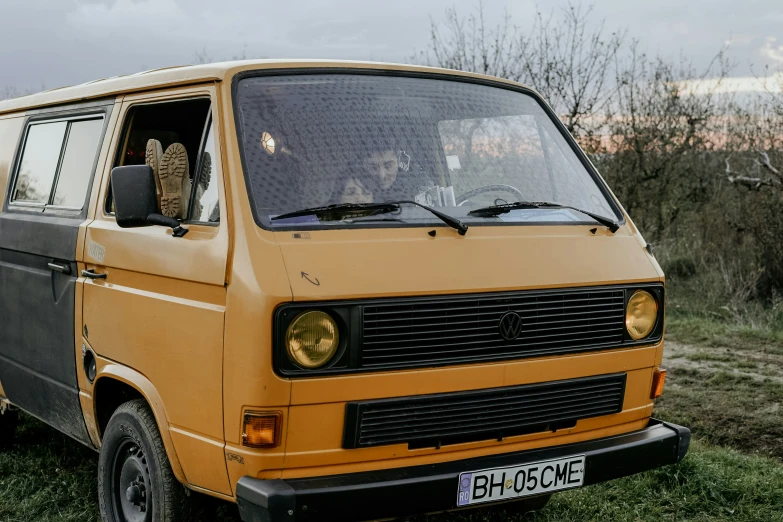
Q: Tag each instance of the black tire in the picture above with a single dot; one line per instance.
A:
(135, 481)
(9, 419)
(522, 506)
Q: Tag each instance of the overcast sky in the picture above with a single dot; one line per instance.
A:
(62, 42)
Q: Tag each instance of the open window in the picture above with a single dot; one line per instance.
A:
(173, 138)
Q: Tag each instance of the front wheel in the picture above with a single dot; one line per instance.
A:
(135, 481)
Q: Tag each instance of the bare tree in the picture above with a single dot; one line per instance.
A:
(562, 56)
(202, 56)
(572, 64)
(468, 44)
(754, 168)
(658, 138)
(757, 137)
(8, 91)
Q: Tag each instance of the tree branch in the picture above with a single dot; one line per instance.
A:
(751, 183)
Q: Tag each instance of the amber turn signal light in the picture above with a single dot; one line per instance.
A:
(659, 378)
(261, 429)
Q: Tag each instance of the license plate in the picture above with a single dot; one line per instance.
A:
(492, 485)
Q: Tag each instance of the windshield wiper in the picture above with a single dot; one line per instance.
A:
(341, 210)
(495, 210)
(449, 220)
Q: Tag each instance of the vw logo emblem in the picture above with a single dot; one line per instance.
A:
(510, 326)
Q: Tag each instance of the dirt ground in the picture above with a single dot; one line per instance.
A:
(728, 395)
(759, 364)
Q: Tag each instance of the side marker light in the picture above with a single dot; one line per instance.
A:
(659, 378)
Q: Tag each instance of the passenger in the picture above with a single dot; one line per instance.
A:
(354, 191)
(383, 166)
(388, 173)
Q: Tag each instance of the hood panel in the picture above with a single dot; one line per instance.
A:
(338, 264)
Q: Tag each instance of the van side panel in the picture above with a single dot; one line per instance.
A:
(10, 128)
(37, 303)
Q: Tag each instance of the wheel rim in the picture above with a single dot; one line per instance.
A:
(131, 485)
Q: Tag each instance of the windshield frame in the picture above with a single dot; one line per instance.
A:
(614, 205)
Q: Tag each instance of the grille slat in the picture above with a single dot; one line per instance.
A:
(510, 393)
(481, 415)
(500, 416)
(443, 330)
(451, 413)
(531, 330)
(388, 323)
(481, 428)
(503, 355)
(382, 322)
(486, 304)
(494, 345)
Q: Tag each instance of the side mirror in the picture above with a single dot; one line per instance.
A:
(135, 200)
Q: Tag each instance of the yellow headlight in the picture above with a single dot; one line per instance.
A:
(312, 339)
(641, 314)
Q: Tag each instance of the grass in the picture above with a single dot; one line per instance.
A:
(725, 382)
(734, 410)
(712, 332)
(710, 484)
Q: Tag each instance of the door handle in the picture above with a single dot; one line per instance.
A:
(92, 275)
(57, 267)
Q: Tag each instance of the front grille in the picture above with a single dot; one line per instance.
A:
(451, 418)
(448, 330)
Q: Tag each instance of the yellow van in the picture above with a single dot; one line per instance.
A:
(324, 291)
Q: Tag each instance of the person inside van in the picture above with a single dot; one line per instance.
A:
(382, 164)
(390, 172)
(354, 190)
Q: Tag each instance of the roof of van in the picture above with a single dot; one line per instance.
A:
(190, 74)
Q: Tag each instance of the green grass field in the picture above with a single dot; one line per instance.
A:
(726, 384)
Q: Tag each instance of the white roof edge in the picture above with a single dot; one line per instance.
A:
(180, 75)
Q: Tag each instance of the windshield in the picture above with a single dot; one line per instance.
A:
(324, 139)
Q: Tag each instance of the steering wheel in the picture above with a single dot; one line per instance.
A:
(462, 198)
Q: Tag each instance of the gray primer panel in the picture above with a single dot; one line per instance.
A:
(37, 305)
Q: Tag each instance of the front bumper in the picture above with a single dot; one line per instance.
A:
(425, 489)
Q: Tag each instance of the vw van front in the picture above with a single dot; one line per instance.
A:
(468, 315)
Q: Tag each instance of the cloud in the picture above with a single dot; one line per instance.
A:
(106, 18)
(701, 87)
(771, 50)
(738, 39)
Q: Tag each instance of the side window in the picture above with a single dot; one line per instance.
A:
(39, 162)
(57, 163)
(167, 136)
(205, 206)
(78, 160)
